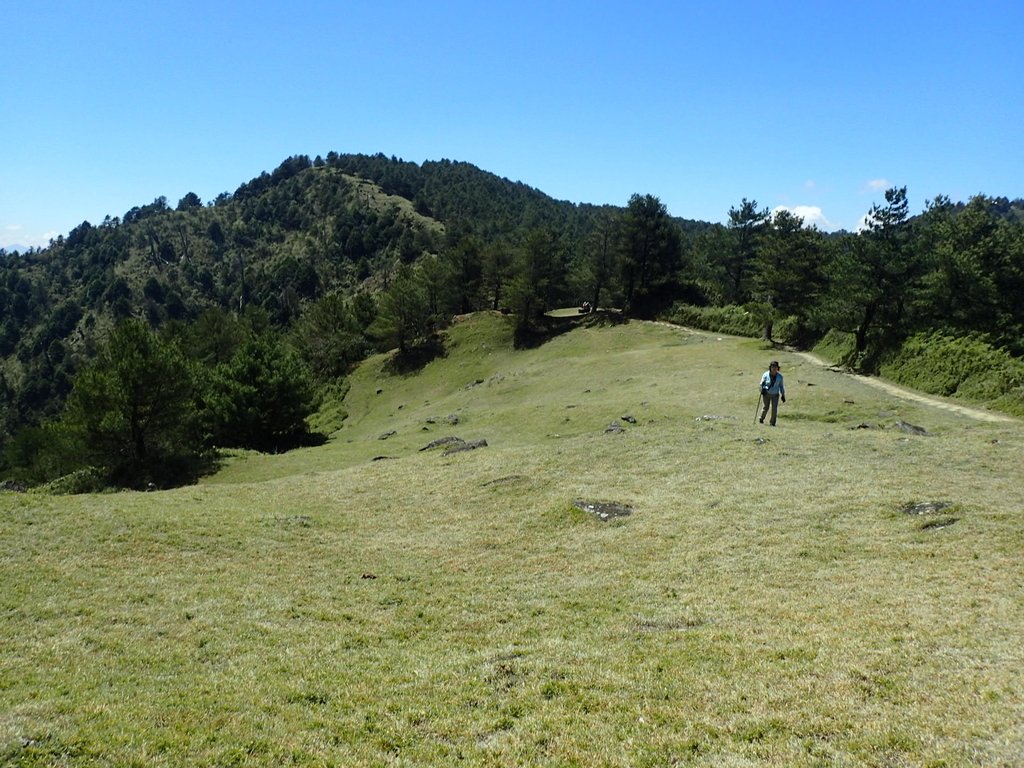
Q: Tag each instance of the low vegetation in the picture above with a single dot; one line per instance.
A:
(833, 591)
(966, 367)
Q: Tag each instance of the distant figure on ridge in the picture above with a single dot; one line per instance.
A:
(772, 389)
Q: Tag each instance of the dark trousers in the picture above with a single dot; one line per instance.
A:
(770, 401)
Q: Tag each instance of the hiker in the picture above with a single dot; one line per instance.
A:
(772, 389)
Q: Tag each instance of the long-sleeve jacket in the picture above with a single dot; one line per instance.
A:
(773, 387)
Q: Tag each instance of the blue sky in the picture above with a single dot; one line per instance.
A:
(816, 106)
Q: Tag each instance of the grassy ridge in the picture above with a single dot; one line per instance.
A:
(767, 602)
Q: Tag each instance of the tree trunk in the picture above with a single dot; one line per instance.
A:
(862, 329)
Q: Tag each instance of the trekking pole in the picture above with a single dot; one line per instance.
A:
(758, 406)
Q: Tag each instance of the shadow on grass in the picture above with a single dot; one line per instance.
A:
(548, 327)
(414, 358)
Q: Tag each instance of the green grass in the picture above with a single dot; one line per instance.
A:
(767, 602)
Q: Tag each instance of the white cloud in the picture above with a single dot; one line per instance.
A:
(878, 185)
(812, 215)
(864, 223)
(14, 238)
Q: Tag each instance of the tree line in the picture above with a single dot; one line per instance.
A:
(300, 273)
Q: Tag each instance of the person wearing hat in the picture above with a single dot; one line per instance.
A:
(772, 389)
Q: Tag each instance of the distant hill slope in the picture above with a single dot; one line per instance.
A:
(303, 231)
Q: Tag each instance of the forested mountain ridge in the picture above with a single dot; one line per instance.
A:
(281, 239)
(304, 270)
(332, 234)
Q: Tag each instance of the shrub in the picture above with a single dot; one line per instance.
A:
(797, 331)
(731, 319)
(837, 346)
(85, 480)
(964, 366)
(39, 454)
(1012, 402)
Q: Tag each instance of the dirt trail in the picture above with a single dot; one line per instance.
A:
(885, 386)
(909, 394)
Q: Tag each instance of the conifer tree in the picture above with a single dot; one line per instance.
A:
(133, 409)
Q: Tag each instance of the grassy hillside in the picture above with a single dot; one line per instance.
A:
(768, 601)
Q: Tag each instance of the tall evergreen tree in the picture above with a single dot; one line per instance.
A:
(788, 270)
(465, 262)
(539, 277)
(330, 338)
(875, 278)
(600, 260)
(651, 251)
(134, 409)
(496, 273)
(965, 253)
(746, 227)
(260, 399)
(403, 315)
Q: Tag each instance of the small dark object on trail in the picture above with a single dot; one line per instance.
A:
(614, 428)
(926, 507)
(381, 458)
(504, 480)
(942, 522)
(451, 419)
(465, 446)
(450, 440)
(603, 510)
(368, 576)
(629, 419)
(386, 435)
(912, 429)
(679, 624)
(302, 521)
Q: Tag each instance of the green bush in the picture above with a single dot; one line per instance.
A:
(837, 347)
(797, 331)
(961, 366)
(1012, 402)
(37, 455)
(731, 319)
(85, 480)
(331, 413)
